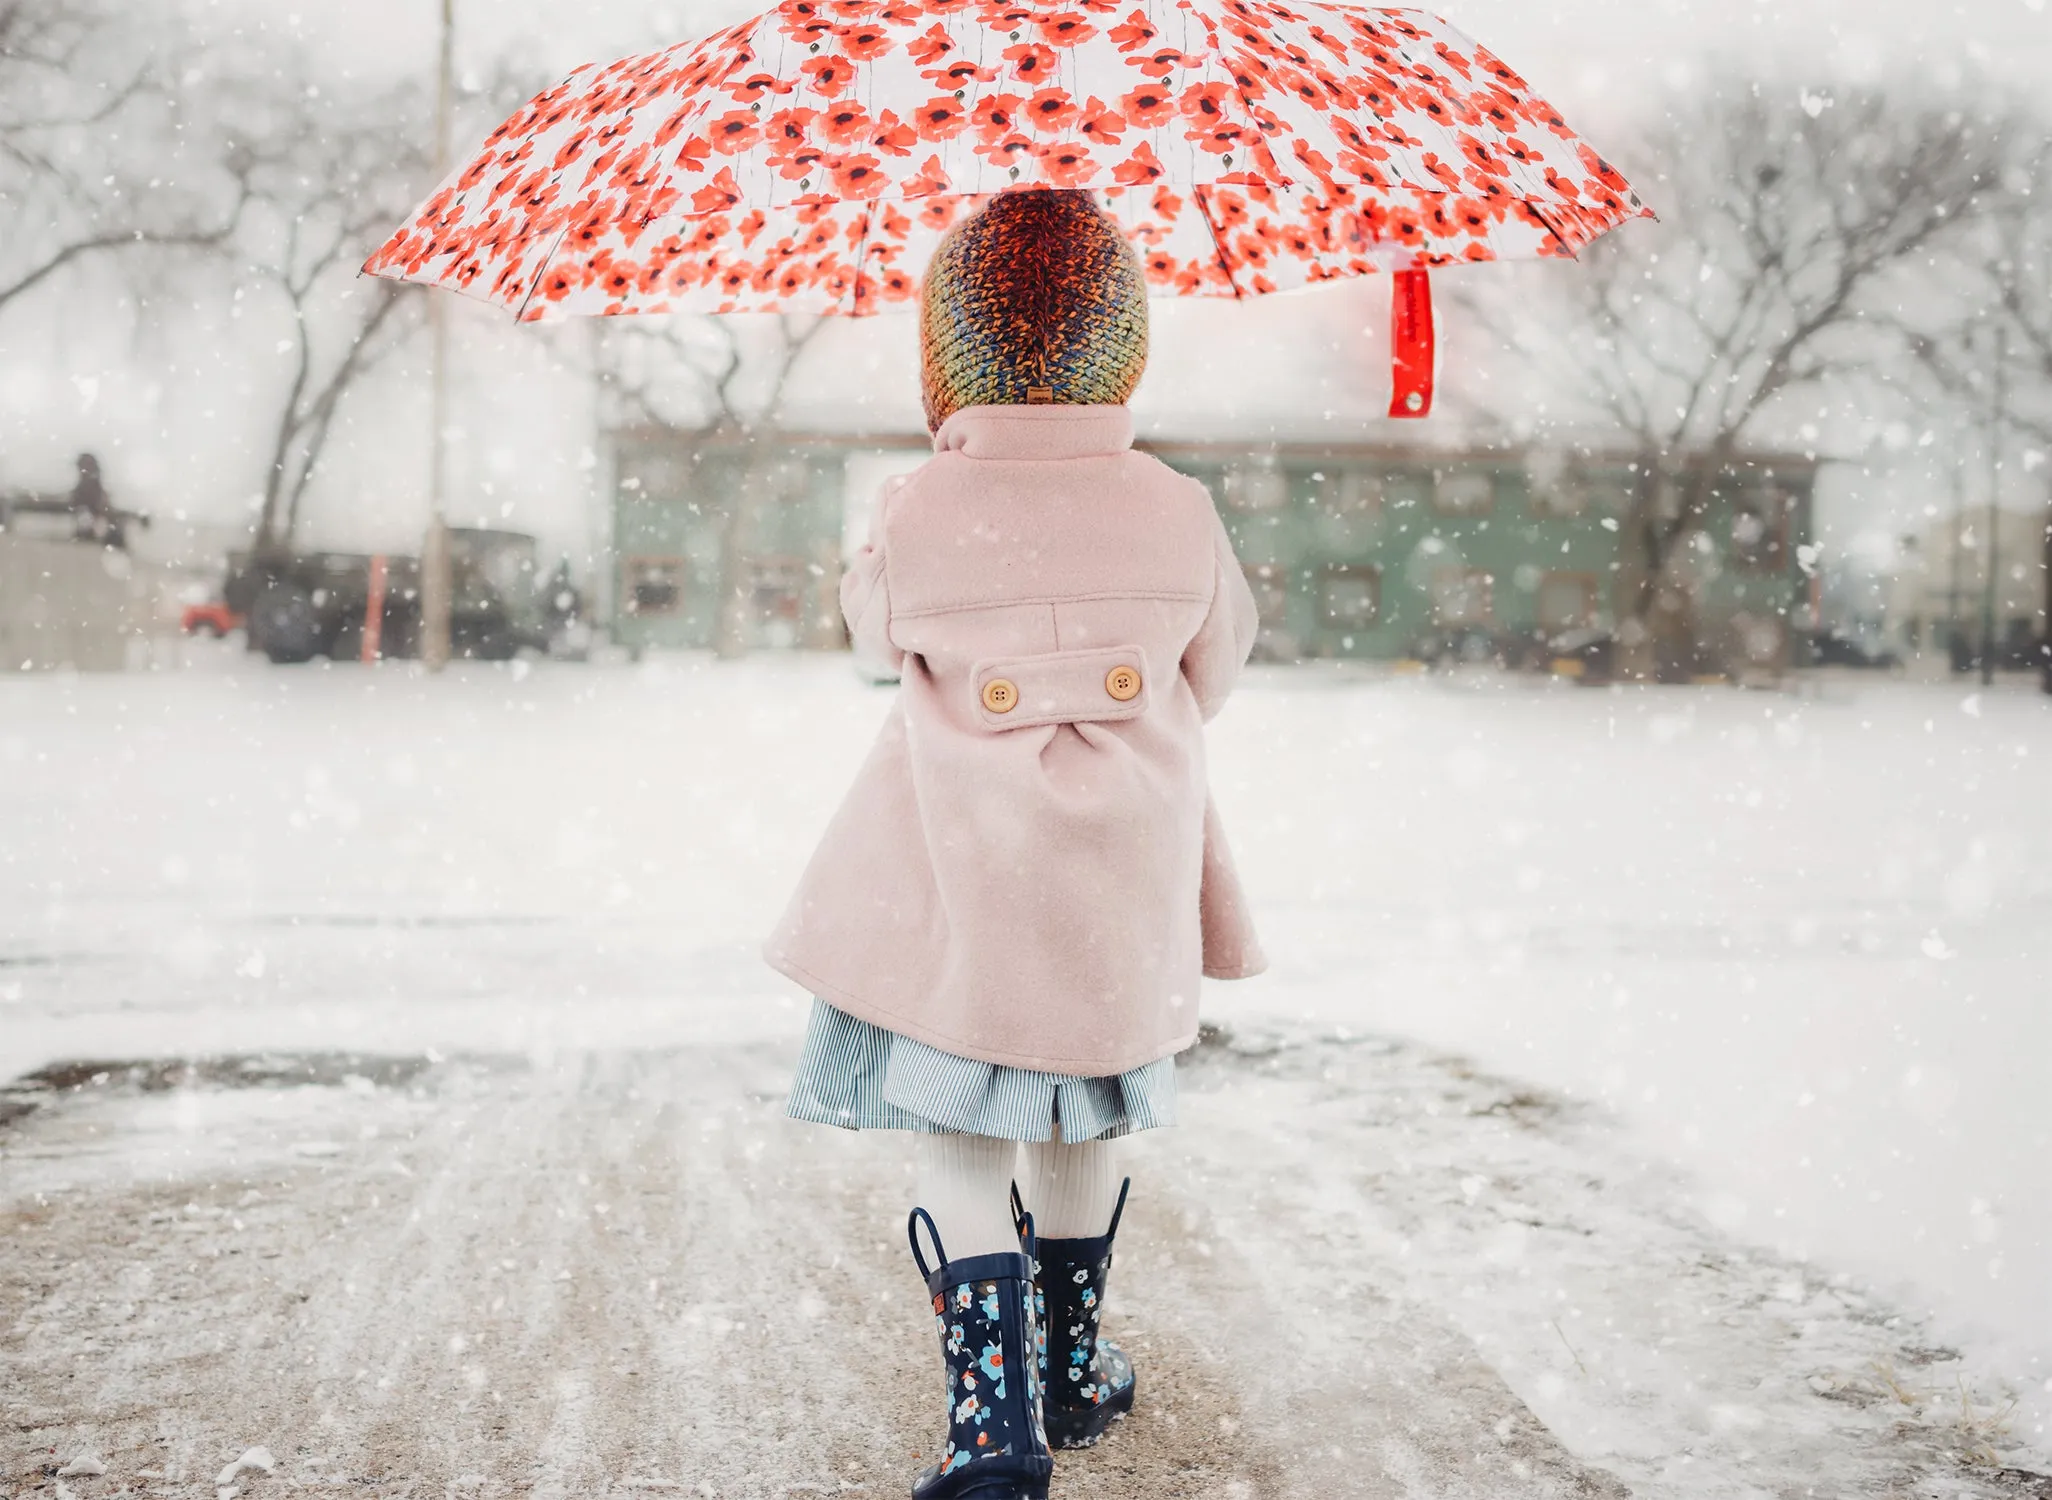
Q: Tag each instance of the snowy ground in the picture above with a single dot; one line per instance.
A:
(1761, 1212)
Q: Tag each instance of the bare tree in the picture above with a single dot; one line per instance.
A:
(1993, 357)
(326, 183)
(1792, 223)
(708, 374)
(88, 118)
(2002, 267)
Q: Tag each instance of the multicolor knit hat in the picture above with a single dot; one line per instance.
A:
(1037, 299)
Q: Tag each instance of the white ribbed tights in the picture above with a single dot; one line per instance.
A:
(965, 1183)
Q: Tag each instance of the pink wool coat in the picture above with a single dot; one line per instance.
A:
(1032, 873)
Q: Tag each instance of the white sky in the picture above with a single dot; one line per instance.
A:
(1580, 53)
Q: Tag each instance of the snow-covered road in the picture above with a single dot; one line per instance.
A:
(622, 1272)
(1769, 972)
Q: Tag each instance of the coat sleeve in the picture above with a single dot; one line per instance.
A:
(866, 597)
(1212, 661)
(1231, 948)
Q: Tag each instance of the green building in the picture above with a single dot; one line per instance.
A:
(1363, 552)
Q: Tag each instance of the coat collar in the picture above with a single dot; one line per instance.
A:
(1036, 432)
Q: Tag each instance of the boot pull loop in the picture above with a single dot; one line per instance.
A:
(1027, 1240)
(1120, 1211)
(1020, 1218)
(940, 1251)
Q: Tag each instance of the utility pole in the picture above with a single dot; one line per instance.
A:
(1995, 424)
(1953, 653)
(2045, 644)
(436, 585)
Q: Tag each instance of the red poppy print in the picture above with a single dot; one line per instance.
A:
(1149, 107)
(1010, 152)
(961, 73)
(931, 46)
(1101, 126)
(1031, 62)
(995, 115)
(1066, 166)
(1140, 166)
(828, 75)
(940, 119)
(893, 136)
(1161, 62)
(757, 87)
(897, 286)
(864, 43)
(735, 132)
(1065, 28)
(1244, 146)
(1133, 33)
(722, 193)
(858, 176)
(843, 124)
(1051, 110)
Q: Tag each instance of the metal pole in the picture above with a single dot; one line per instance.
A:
(1995, 425)
(1952, 651)
(435, 582)
(2045, 642)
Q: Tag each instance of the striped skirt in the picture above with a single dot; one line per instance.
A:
(861, 1077)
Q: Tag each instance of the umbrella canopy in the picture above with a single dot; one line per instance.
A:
(809, 159)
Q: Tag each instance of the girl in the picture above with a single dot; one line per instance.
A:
(1005, 924)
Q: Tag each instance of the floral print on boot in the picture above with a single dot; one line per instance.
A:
(1089, 1379)
(983, 1306)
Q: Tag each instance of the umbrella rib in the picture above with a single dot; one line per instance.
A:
(854, 295)
(548, 260)
(1546, 221)
(1202, 198)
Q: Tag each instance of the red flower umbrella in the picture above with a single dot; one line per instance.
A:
(810, 159)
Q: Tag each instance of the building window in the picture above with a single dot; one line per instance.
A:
(1461, 596)
(1465, 492)
(1563, 499)
(653, 585)
(1349, 597)
(1256, 487)
(1759, 532)
(1567, 601)
(1575, 491)
(1352, 493)
(1271, 585)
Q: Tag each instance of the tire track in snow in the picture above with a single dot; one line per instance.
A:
(626, 1274)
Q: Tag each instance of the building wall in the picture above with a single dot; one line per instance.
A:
(1942, 580)
(1353, 553)
(71, 605)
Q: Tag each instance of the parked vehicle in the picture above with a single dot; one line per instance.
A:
(1588, 654)
(1835, 648)
(212, 618)
(300, 605)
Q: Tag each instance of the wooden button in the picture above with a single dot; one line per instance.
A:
(1123, 683)
(1000, 696)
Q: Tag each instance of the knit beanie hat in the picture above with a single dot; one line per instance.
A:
(1037, 299)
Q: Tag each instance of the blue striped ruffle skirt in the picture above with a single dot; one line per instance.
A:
(861, 1077)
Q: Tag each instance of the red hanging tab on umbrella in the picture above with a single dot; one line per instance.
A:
(1411, 344)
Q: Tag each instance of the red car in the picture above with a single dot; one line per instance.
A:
(212, 618)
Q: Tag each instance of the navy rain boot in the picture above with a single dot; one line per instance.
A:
(1089, 1379)
(997, 1448)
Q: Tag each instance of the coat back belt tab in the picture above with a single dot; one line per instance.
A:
(1062, 687)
